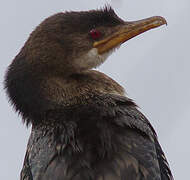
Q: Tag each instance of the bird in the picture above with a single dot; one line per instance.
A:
(84, 126)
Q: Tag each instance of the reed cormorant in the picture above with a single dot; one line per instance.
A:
(84, 127)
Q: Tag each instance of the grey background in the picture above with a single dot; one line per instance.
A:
(153, 68)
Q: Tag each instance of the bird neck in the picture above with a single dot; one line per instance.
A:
(78, 88)
(33, 94)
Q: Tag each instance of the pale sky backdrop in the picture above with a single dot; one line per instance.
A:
(154, 68)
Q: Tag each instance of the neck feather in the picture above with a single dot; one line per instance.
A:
(33, 95)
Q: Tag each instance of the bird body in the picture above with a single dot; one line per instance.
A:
(83, 125)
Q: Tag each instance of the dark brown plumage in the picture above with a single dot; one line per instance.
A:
(83, 125)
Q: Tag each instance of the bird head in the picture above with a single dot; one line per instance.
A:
(71, 42)
(54, 66)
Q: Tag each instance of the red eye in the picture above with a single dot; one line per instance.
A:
(95, 34)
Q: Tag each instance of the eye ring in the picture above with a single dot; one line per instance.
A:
(95, 34)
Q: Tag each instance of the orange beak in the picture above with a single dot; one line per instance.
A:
(128, 31)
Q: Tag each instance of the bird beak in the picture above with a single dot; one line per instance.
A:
(128, 31)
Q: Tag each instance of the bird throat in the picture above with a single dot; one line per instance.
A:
(93, 59)
(79, 88)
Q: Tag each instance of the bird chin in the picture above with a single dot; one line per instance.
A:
(93, 59)
(108, 53)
